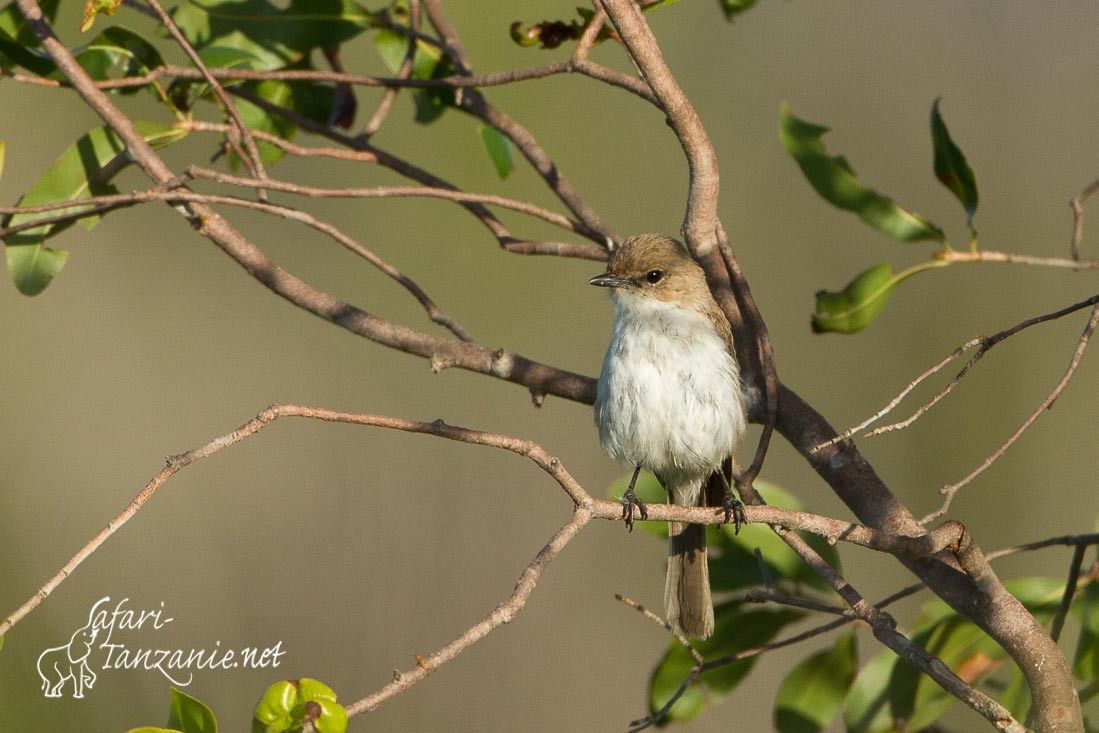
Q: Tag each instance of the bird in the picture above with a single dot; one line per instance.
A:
(670, 401)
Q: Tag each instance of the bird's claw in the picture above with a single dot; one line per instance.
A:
(629, 501)
(734, 511)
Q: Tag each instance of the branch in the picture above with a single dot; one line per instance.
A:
(1077, 204)
(949, 491)
(252, 159)
(984, 255)
(443, 353)
(404, 72)
(986, 343)
(700, 220)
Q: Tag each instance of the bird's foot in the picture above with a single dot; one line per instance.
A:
(734, 511)
(629, 501)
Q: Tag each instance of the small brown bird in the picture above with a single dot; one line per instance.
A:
(670, 400)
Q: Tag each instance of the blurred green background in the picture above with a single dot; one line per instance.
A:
(358, 548)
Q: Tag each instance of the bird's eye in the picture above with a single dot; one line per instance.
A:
(654, 276)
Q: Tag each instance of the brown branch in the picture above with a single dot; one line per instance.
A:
(1077, 204)
(949, 491)
(475, 103)
(583, 67)
(252, 159)
(700, 220)
(986, 343)
(448, 194)
(1070, 590)
(502, 614)
(984, 255)
(443, 353)
(105, 203)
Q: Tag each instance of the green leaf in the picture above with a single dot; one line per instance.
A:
(887, 689)
(813, 692)
(277, 36)
(1085, 664)
(2, 146)
(93, 8)
(951, 167)
(735, 629)
(286, 704)
(84, 170)
(33, 266)
(853, 308)
(735, 566)
(190, 715)
(732, 8)
(116, 52)
(500, 150)
(18, 44)
(833, 178)
(427, 63)
(152, 729)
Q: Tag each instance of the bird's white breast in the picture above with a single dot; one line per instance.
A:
(669, 396)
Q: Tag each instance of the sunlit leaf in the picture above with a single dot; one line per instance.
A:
(277, 36)
(951, 167)
(283, 708)
(92, 8)
(190, 715)
(833, 178)
(854, 307)
(812, 694)
(82, 171)
(500, 150)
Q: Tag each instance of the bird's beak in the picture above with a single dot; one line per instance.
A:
(607, 280)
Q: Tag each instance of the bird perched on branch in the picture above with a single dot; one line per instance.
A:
(670, 401)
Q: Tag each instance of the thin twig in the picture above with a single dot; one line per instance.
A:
(252, 158)
(1011, 258)
(1070, 591)
(404, 72)
(103, 203)
(986, 343)
(1077, 204)
(949, 491)
(663, 623)
(502, 614)
(526, 448)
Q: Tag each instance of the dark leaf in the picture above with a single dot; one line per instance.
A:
(813, 692)
(18, 44)
(951, 167)
(276, 36)
(833, 178)
(735, 629)
(190, 715)
(732, 8)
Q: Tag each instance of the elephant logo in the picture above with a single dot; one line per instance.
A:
(69, 662)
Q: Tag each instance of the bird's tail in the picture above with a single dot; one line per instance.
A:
(687, 599)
